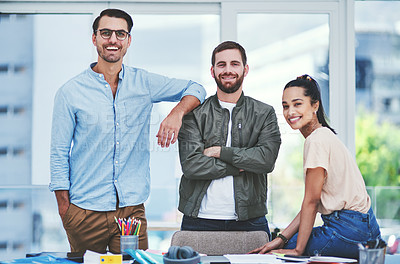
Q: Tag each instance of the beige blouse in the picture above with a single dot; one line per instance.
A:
(344, 186)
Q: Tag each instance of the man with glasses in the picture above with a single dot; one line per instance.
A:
(100, 138)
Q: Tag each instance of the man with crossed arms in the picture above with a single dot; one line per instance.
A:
(227, 146)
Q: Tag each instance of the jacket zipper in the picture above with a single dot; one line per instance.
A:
(240, 134)
(224, 126)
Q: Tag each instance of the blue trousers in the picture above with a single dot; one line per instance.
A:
(202, 224)
(339, 235)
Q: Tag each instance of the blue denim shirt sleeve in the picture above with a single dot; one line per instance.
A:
(63, 125)
(170, 89)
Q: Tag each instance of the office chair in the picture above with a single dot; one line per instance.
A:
(217, 243)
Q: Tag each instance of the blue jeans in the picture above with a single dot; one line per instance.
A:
(202, 224)
(339, 235)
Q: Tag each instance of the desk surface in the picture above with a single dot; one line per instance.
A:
(389, 259)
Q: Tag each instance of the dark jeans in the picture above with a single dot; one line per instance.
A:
(201, 224)
(339, 235)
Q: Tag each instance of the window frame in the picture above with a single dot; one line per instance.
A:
(341, 48)
(341, 38)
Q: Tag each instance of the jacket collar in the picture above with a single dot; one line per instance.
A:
(238, 103)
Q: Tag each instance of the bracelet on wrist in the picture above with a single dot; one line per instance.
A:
(285, 240)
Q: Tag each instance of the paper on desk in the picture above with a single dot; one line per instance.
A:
(331, 259)
(252, 259)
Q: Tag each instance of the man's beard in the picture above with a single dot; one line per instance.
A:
(108, 58)
(232, 88)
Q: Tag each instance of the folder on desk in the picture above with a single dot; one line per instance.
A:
(144, 257)
(40, 260)
(92, 257)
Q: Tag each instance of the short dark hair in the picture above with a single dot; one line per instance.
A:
(113, 13)
(229, 45)
(311, 89)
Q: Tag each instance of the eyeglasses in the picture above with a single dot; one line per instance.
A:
(106, 33)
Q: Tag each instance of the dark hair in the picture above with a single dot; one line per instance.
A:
(113, 13)
(311, 89)
(229, 45)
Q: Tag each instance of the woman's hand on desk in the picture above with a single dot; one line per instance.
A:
(274, 244)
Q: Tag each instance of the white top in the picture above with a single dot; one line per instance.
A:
(344, 186)
(219, 201)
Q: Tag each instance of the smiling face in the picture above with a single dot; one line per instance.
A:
(111, 50)
(229, 70)
(298, 110)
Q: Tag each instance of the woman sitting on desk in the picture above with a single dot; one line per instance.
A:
(333, 184)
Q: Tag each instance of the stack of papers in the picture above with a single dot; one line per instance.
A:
(275, 259)
(316, 259)
(253, 259)
(323, 259)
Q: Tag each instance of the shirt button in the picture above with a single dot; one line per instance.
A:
(100, 75)
(117, 142)
(115, 181)
(117, 124)
(116, 162)
(106, 85)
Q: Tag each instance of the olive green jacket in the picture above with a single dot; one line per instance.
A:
(254, 149)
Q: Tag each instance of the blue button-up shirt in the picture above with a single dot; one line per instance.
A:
(100, 145)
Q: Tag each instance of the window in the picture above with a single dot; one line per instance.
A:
(19, 68)
(3, 109)
(295, 45)
(3, 151)
(178, 46)
(176, 39)
(18, 151)
(19, 110)
(3, 68)
(377, 49)
(3, 245)
(3, 204)
(4, 18)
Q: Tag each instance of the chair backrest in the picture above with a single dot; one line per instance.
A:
(216, 243)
